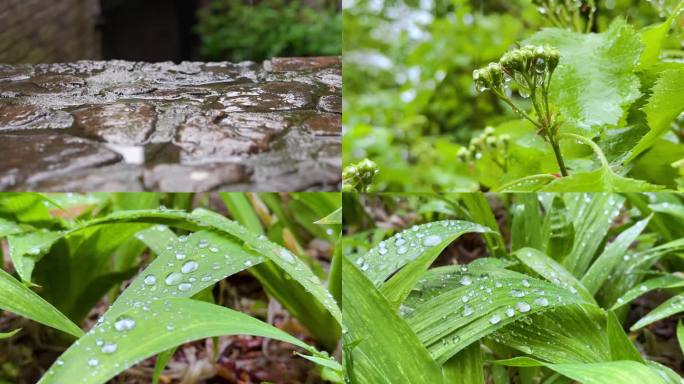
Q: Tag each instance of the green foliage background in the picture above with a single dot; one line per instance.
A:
(409, 99)
(236, 30)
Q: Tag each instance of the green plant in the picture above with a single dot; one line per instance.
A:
(411, 104)
(358, 177)
(78, 248)
(235, 30)
(546, 300)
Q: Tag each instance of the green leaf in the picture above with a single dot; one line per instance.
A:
(602, 179)
(670, 307)
(453, 318)
(334, 218)
(595, 81)
(612, 255)
(393, 253)
(16, 298)
(621, 348)
(552, 271)
(466, 367)
(593, 215)
(7, 335)
(558, 230)
(611, 372)
(664, 105)
(146, 331)
(527, 184)
(373, 330)
(526, 227)
(668, 281)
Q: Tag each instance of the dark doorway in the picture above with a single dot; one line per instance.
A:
(148, 30)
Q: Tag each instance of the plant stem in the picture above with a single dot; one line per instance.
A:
(559, 156)
(516, 109)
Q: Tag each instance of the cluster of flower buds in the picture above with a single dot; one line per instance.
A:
(566, 13)
(526, 65)
(483, 143)
(358, 177)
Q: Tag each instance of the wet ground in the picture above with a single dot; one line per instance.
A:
(128, 126)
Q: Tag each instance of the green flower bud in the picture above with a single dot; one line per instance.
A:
(491, 142)
(505, 139)
(463, 154)
(488, 131)
(496, 74)
(358, 177)
(552, 58)
(512, 61)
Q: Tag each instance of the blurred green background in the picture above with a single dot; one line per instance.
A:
(409, 99)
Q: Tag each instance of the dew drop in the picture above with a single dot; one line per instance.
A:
(287, 256)
(109, 348)
(432, 240)
(465, 280)
(541, 301)
(150, 280)
(180, 255)
(173, 278)
(510, 312)
(124, 323)
(184, 287)
(93, 362)
(495, 319)
(189, 266)
(523, 306)
(467, 311)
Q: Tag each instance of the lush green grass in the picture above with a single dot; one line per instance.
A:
(548, 298)
(69, 251)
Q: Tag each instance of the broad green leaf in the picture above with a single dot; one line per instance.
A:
(602, 179)
(453, 319)
(466, 367)
(7, 335)
(373, 330)
(560, 335)
(595, 81)
(148, 330)
(283, 258)
(553, 272)
(397, 251)
(612, 255)
(652, 38)
(670, 307)
(593, 215)
(16, 298)
(27, 248)
(398, 287)
(611, 372)
(558, 230)
(479, 211)
(668, 281)
(526, 226)
(527, 184)
(664, 105)
(8, 227)
(621, 347)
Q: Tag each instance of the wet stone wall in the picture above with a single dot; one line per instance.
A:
(128, 126)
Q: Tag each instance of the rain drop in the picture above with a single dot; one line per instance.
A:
(495, 319)
(523, 306)
(124, 323)
(150, 280)
(432, 240)
(184, 287)
(189, 266)
(173, 278)
(109, 348)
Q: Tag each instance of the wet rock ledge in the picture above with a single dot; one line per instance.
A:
(129, 126)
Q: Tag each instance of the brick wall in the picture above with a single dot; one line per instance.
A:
(41, 31)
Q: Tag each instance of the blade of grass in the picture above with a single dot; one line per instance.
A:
(668, 281)
(623, 372)
(526, 226)
(406, 246)
(670, 307)
(552, 271)
(16, 298)
(680, 335)
(7, 335)
(593, 215)
(480, 212)
(398, 287)
(621, 348)
(162, 325)
(611, 256)
(558, 230)
(373, 329)
(465, 367)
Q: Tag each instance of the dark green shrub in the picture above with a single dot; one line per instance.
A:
(234, 30)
